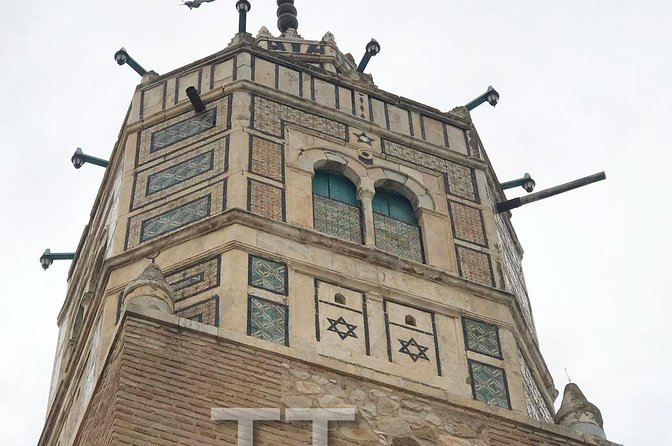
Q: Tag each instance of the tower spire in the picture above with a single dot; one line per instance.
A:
(287, 16)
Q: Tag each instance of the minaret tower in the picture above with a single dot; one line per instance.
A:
(274, 231)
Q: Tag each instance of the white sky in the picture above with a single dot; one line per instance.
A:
(585, 87)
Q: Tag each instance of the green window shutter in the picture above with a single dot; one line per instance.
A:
(395, 206)
(336, 187)
(321, 184)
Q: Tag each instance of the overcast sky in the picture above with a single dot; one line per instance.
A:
(585, 87)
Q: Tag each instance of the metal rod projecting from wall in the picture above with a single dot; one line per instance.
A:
(195, 99)
(521, 201)
(80, 158)
(122, 57)
(48, 257)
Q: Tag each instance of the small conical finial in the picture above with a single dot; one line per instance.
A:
(151, 290)
(287, 16)
(577, 413)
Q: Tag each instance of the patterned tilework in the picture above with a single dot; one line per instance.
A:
(175, 218)
(536, 406)
(482, 338)
(266, 158)
(474, 265)
(337, 219)
(206, 312)
(175, 215)
(266, 200)
(169, 177)
(488, 384)
(467, 223)
(182, 131)
(195, 279)
(398, 238)
(460, 179)
(268, 275)
(514, 280)
(179, 173)
(473, 144)
(267, 320)
(269, 116)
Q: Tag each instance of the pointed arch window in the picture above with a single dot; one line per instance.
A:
(336, 209)
(397, 229)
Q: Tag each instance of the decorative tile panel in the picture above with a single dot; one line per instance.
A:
(182, 131)
(473, 144)
(337, 219)
(175, 218)
(460, 180)
(165, 179)
(536, 405)
(488, 384)
(467, 223)
(398, 238)
(268, 275)
(266, 158)
(482, 338)
(266, 200)
(269, 117)
(474, 265)
(514, 280)
(195, 279)
(267, 320)
(206, 312)
(176, 214)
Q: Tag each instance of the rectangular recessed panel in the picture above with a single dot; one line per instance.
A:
(179, 173)
(268, 275)
(536, 405)
(337, 219)
(195, 279)
(474, 265)
(481, 338)
(488, 384)
(198, 165)
(266, 158)
(460, 181)
(467, 223)
(267, 320)
(269, 117)
(175, 214)
(398, 238)
(266, 200)
(206, 312)
(183, 130)
(175, 218)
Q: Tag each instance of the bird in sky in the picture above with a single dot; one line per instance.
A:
(196, 3)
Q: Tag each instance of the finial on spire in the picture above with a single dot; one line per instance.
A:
(577, 413)
(287, 16)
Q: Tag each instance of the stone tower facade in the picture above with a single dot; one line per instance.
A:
(306, 241)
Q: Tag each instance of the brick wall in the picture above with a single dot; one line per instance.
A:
(161, 382)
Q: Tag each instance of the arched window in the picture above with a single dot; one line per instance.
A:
(336, 209)
(397, 229)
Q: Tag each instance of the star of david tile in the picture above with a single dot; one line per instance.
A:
(413, 349)
(347, 331)
(363, 137)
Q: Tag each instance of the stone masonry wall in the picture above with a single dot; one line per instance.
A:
(161, 382)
